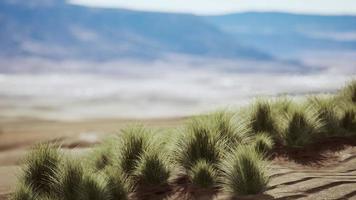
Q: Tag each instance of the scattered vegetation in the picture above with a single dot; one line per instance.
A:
(225, 150)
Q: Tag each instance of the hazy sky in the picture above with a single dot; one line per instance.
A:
(226, 6)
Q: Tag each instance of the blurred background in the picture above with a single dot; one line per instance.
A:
(91, 59)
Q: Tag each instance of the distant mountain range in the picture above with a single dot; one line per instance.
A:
(62, 30)
(283, 34)
(54, 29)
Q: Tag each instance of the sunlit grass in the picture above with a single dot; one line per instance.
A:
(262, 118)
(300, 126)
(328, 112)
(244, 172)
(41, 169)
(117, 184)
(198, 142)
(102, 156)
(203, 174)
(348, 93)
(153, 168)
(263, 143)
(71, 179)
(93, 187)
(134, 140)
(23, 192)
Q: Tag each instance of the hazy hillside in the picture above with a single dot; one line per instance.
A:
(55, 29)
(35, 34)
(286, 34)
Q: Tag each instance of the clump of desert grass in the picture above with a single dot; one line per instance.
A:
(203, 175)
(262, 118)
(244, 172)
(102, 156)
(153, 167)
(42, 166)
(71, 179)
(23, 192)
(93, 187)
(300, 126)
(117, 184)
(348, 93)
(328, 112)
(198, 142)
(348, 121)
(225, 126)
(263, 143)
(133, 142)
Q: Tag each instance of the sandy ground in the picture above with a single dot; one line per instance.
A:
(312, 174)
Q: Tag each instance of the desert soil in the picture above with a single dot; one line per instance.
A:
(316, 173)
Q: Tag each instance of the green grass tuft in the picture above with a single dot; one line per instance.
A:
(23, 192)
(41, 169)
(348, 93)
(203, 175)
(348, 121)
(71, 180)
(328, 113)
(198, 142)
(244, 172)
(93, 187)
(102, 156)
(133, 142)
(262, 118)
(117, 184)
(263, 143)
(153, 168)
(300, 127)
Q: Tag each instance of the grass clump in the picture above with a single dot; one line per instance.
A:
(300, 127)
(203, 174)
(117, 184)
(328, 113)
(224, 127)
(262, 118)
(244, 172)
(153, 168)
(133, 142)
(23, 192)
(348, 93)
(197, 142)
(102, 156)
(71, 180)
(263, 143)
(41, 169)
(348, 121)
(93, 188)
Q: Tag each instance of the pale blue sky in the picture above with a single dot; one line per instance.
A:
(226, 6)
